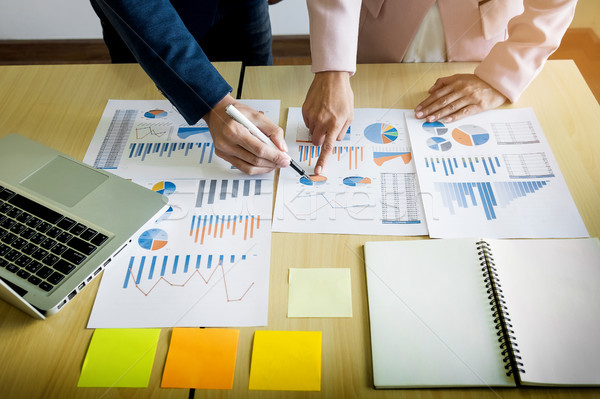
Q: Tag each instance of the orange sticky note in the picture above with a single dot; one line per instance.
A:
(202, 358)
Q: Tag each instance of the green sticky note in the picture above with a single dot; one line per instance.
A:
(119, 358)
(320, 292)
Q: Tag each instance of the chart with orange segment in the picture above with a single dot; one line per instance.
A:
(367, 186)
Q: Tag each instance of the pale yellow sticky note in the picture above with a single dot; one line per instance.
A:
(320, 292)
(286, 361)
(202, 358)
(119, 358)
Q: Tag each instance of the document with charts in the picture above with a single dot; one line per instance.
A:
(492, 174)
(368, 186)
(205, 262)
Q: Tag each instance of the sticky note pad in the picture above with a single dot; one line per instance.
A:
(320, 292)
(202, 358)
(286, 361)
(119, 358)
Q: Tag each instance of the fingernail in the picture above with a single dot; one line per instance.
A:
(448, 119)
(431, 119)
(318, 170)
(419, 114)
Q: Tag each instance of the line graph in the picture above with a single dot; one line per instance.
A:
(136, 282)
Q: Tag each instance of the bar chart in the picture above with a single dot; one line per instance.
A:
(211, 227)
(486, 196)
(212, 190)
(353, 155)
(145, 274)
(143, 151)
(449, 166)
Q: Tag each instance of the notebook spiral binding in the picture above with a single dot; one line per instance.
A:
(502, 321)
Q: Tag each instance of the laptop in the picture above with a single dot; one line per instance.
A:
(61, 223)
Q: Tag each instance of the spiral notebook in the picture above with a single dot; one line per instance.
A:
(468, 312)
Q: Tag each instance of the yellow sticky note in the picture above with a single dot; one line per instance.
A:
(320, 292)
(119, 358)
(202, 358)
(286, 361)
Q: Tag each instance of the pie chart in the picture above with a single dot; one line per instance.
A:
(315, 180)
(155, 113)
(354, 181)
(153, 239)
(438, 144)
(470, 135)
(381, 133)
(164, 188)
(437, 128)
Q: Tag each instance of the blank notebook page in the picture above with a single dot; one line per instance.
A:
(431, 324)
(552, 294)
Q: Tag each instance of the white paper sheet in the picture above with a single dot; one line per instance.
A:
(369, 184)
(492, 175)
(205, 262)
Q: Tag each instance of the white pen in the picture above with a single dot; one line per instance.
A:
(241, 118)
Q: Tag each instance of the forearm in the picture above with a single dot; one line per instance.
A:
(168, 53)
(333, 34)
(533, 36)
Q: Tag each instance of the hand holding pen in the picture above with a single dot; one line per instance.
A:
(243, 150)
(244, 121)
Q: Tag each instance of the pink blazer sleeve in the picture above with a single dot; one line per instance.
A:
(533, 36)
(333, 34)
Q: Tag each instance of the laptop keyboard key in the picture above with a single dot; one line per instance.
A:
(99, 239)
(34, 280)
(64, 237)
(45, 286)
(39, 254)
(43, 227)
(44, 272)
(81, 246)
(64, 267)
(6, 194)
(78, 229)
(53, 232)
(12, 255)
(34, 266)
(66, 223)
(37, 238)
(55, 278)
(34, 208)
(73, 256)
(48, 243)
(88, 234)
(23, 261)
(50, 260)
(58, 249)
(23, 274)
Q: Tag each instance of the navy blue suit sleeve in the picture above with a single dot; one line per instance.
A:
(169, 53)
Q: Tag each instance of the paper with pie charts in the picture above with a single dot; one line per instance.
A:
(368, 186)
(493, 175)
(205, 261)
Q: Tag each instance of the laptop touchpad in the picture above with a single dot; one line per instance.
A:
(64, 181)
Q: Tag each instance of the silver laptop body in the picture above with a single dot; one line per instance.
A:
(87, 217)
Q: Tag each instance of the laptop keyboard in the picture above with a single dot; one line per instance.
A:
(39, 244)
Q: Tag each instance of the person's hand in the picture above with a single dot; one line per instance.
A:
(328, 110)
(454, 97)
(235, 144)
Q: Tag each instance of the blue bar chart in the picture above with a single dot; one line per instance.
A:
(145, 273)
(486, 196)
(449, 166)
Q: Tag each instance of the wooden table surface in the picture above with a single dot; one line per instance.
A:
(61, 105)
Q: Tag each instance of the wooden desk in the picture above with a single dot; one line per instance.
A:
(43, 359)
(61, 106)
(569, 115)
